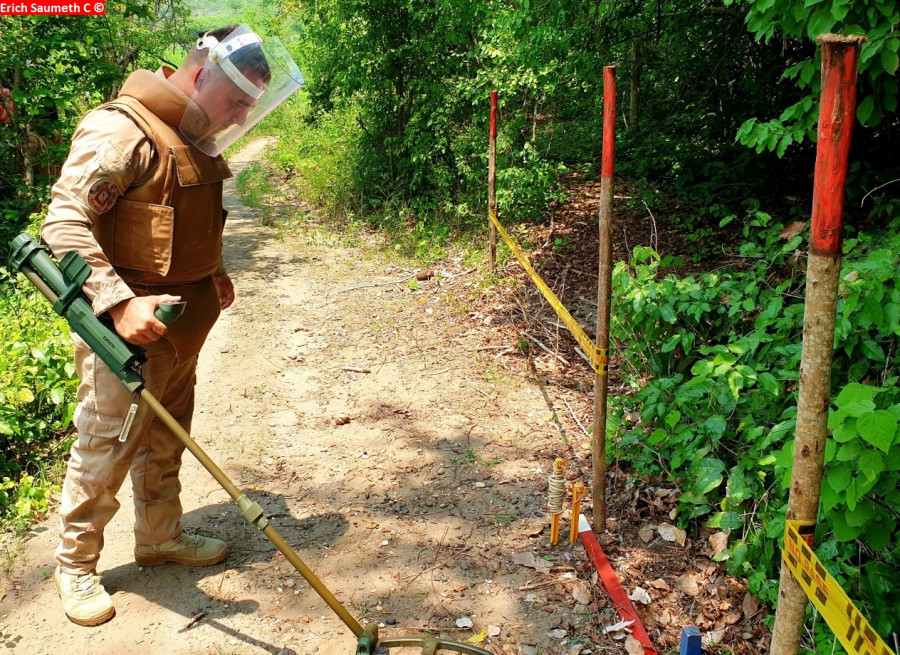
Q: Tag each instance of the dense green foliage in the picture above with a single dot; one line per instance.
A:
(56, 68)
(415, 77)
(37, 398)
(718, 412)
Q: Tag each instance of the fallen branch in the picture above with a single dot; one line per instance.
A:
(577, 422)
(356, 369)
(486, 395)
(444, 280)
(194, 620)
(379, 284)
(538, 585)
(536, 342)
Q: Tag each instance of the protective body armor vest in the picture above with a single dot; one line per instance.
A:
(164, 234)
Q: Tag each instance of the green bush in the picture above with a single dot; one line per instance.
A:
(37, 398)
(718, 412)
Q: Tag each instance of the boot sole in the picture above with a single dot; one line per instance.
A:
(162, 558)
(94, 620)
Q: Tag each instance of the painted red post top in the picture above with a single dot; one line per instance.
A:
(837, 112)
(609, 121)
(493, 133)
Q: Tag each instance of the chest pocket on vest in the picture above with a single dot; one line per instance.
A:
(144, 233)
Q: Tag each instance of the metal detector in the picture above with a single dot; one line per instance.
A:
(62, 286)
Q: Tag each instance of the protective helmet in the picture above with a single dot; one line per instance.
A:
(243, 79)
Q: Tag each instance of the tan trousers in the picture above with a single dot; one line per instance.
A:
(100, 459)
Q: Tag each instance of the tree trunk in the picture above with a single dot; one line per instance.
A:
(634, 104)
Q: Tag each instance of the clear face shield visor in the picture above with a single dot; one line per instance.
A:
(244, 78)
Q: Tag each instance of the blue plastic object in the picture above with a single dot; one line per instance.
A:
(690, 641)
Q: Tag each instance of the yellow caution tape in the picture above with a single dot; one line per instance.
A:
(839, 612)
(598, 356)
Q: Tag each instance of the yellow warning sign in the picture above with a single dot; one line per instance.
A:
(598, 357)
(839, 612)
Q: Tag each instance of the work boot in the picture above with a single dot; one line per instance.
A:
(84, 599)
(187, 549)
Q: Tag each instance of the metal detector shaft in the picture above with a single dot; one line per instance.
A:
(251, 512)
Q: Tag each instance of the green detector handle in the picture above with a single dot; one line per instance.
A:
(61, 285)
(168, 312)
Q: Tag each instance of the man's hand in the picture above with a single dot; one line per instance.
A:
(134, 319)
(225, 289)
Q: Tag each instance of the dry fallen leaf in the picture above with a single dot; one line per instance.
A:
(688, 583)
(640, 595)
(646, 534)
(659, 583)
(792, 230)
(531, 561)
(478, 638)
(581, 592)
(750, 605)
(719, 542)
(633, 646)
(670, 533)
(733, 617)
(712, 638)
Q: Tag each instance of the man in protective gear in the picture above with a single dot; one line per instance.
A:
(140, 198)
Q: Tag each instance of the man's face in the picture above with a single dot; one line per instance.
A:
(224, 103)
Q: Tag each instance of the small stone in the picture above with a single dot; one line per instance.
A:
(391, 621)
(529, 650)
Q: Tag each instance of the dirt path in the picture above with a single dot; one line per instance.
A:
(379, 428)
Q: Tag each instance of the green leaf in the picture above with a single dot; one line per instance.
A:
(672, 418)
(856, 399)
(845, 431)
(830, 498)
(768, 382)
(873, 350)
(716, 425)
(889, 61)
(871, 464)
(864, 110)
(878, 534)
(838, 477)
(861, 514)
(839, 12)
(878, 428)
(726, 521)
(849, 451)
(671, 343)
(708, 474)
(821, 23)
(656, 437)
(842, 530)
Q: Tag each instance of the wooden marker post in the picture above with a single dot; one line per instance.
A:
(492, 183)
(837, 112)
(604, 282)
